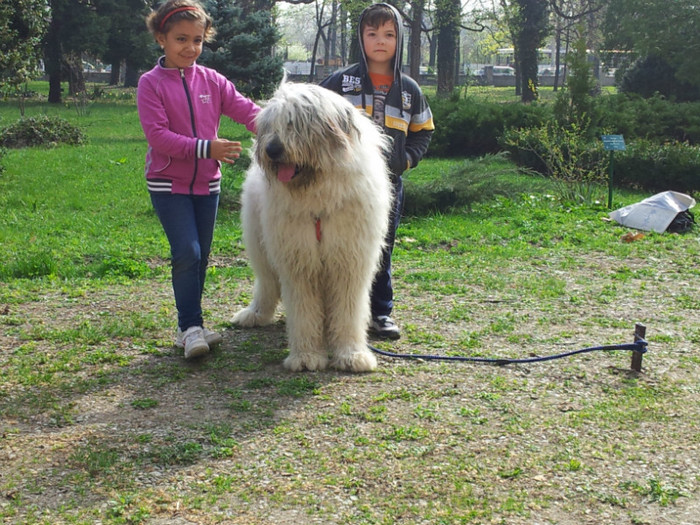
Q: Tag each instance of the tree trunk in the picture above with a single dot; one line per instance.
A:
(447, 25)
(52, 62)
(131, 75)
(414, 45)
(557, 58)
(343, 35)
(531, 29)
(55, 87)
(114, 73)
(76, 79)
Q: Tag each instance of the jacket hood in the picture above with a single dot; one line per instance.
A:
(398, 58)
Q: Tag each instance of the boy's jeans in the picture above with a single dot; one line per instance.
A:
(382, 295)
(188, 221)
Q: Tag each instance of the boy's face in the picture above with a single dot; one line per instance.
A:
(380, 44)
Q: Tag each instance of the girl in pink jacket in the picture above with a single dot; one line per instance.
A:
(180, 104)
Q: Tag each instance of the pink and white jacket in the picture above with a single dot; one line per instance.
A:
(180, 110)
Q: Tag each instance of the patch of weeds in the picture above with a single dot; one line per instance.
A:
(401, 394)
(661, 338)
(655, 490)
(488, 396)
(260, 383)
(112, 356)
(224, 484)
(574, 465)
(273, 356)
(220, 438)
(95, 459)
(423, 338)
(407, 433)
(142, 404)
(510, 473)
(470, 340)
(429, 412)
(612, 499)
(296, 386)
(164, 373)
(177, 454)
(124, 508)
(473, 415)
(115, 266)
(31, 264)
(41, 130)
(375, 414)
(505, 323)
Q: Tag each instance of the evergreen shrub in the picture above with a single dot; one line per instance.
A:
(472, 128)
(652, 75)
(655, 118)
(658, 167)
(470, 182)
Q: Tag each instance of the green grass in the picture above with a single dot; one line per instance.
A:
(101, 420)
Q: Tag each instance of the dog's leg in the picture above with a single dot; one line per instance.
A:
(304, 326)
(261, 311)
(346, 324)
(266, 291)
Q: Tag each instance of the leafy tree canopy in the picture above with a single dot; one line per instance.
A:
(243, 47)
(22, 26)
(668, 30)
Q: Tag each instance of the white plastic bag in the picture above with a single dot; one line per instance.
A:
(655, 213)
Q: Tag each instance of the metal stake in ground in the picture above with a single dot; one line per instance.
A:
(639, 332)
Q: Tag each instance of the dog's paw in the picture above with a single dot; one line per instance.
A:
(362, 360)
(298, 362)
(249, 317)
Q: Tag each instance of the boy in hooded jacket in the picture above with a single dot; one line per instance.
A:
(395, 102)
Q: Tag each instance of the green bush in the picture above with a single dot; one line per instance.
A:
(40, 131)
(653, 75)
(655, 118)
(473, 128)
(659, 167)
(565, 154)
(469, 182)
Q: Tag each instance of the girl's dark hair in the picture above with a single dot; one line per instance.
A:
(162, 19)
(377, 15)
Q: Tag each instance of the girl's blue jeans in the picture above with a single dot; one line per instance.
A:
(188, 221)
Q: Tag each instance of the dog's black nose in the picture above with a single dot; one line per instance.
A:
(274, 149)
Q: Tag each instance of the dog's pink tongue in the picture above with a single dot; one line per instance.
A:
(285, 172)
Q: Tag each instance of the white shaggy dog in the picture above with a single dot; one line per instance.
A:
(315, 209)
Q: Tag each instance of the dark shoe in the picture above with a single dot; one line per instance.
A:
(384, 326)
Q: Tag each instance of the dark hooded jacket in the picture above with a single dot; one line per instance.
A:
(407, 116)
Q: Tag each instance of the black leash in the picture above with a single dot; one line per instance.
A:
(638, 346)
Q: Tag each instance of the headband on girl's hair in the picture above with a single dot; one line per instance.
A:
(178, 10)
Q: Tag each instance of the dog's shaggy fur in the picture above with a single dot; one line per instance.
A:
(315, 209)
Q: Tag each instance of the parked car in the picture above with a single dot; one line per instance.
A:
(503, 71)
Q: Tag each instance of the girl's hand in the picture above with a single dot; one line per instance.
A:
(225, 150)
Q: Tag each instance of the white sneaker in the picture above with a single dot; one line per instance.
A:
(212, 338)
(193, 342)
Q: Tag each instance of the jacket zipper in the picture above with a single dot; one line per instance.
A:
(194, 128)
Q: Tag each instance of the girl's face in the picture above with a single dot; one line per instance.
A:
(380, 45)
(183, 43)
